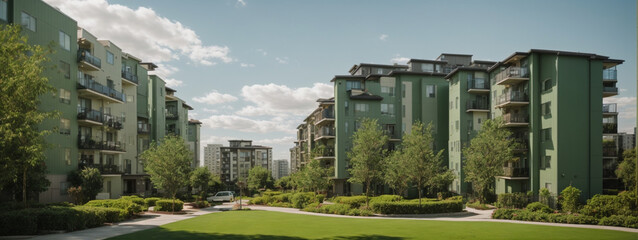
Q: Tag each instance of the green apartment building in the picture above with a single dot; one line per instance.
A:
(111, 109)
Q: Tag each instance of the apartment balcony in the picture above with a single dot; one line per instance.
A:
(105, 169)
(610, 128)
(87, 61)
(173, 131)
(512, 76)
(392, 135)
(171, 115)
(113, 122)
(516, 172)
(89, 88)
(129, 78)
(325, 153)
(610, 152)
(143, 128)
(609, 91)
(87, 143)
(325, 116)
(522, 144)
(516, 119)
(610, 75)
(476, 106)
(478, 85)
(512, 99)
(324, 133)
(90, 117)
(610, 109)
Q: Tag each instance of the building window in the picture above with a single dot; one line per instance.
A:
(67, 156)
(548, 186)
(456, 103)
(65, 41)
(430, 91)
(546, 162)
(4, 10)
(547, 84)
(457, 125)
(346, 108)
(403, 110)
(65, 96)
(28, 21)
(388, 90)
(109, 57)
(361, 107)
(547, 134)
(353, 85)
(427, 67)
(379, 71)
(65, 126)
(546, 109)
(66, 69)
(64, 186)
(403, 90)
(387, 109)
(129, 98)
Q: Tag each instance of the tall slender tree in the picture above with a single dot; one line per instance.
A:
(366, 156)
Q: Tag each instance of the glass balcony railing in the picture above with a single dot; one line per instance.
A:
(113, 122)
(86, 81)
(610, 108)
(325, 132)
(85, 56)
(129, 76)
(610, 75)
(90, 114)
(610, 89)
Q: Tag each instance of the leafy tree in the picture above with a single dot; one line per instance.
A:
(395, 168)
(259, 177)
(426, 167)
(36, 183)
(21, 86)
(92, 182)
(284, 183)
(627, 169)
(214, 183)
(366, 156)
(168, 164)
(487, 154)
(316, 177)
(200, 179)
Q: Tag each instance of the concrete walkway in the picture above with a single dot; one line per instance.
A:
(146, 221)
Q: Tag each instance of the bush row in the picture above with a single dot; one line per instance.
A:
(512, 200)
(445, 206)
(539, 216)
(296, 200)
(337, 208)
(166, 205)
(56, 218)
(358, 201)
(125, 204)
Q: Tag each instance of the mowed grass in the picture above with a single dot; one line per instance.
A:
(276, 225)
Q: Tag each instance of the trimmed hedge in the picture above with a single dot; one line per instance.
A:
(150, 202)
(353, 201)
(137, 200)
(301, 199)
(539, 207)
(526, 215)
(337, 208)
(126, 204)
(415, 208)
(512, 200)
(166, 205)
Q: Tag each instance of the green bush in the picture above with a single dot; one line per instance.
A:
(353, 201)
(126, 204)
(110, 215)
(137, 200)
(271, 193)
(415, 208)
(360, 212)
(631, 221)
(312, 207)
(281, 204)
(319, 198)
(166, 205)
(341, 209)
(258, 201)
(569, 199)
(601, 206)
(504, 213)
(386, 198)
(539, 207)
(282, 198)
(512, 200)
(301, 199)
(202, 204)
(614, 220)
(150, 202)
(18, 222)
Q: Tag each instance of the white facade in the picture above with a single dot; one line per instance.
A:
(212, 157)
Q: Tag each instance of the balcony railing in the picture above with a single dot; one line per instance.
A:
(478, 83)
(327, 113)
(610, 108)
(610, 89)
(143, 128)
(515, 172)
(512, 96)
(325, 152)
(90, 114)
(95, 144)
(113, 122)
(325, 132)
(610, 152)
(103, 168)
(172, 115)
(129, 76)
(610, 75)
(86, 56)
(86, 81)
(475, 104)
(515, 118)
(512, 75)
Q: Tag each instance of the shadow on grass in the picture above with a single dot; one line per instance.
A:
(193, 235)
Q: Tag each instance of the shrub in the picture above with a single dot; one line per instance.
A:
(415, 208)
(258, 201)
(478, 205)
(341, 209)
(601, 206)
(18, 222)
(271, 193)
(319, 198)
(283, 198)
(125, 204)
(281, 204)
(150, 202)
(614, 220)
(512, 200)
(569, 199)
(386, 198)
(631, 222)
(539, 207)
(545, 197)
(360, 212)
(137, 200)
(166, 205)
(353, 201)
(455, 198)
(504, 213)
(301, 199)
(581, 219)
(202, 204)
(312, 207)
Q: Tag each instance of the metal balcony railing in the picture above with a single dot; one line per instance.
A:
(327, 113)
(86, 56)
(476, 104)
(103, 168)
(515, 172)
(90, 114)
(516, 118)
(86, 142)
(513, 96)
(113, 122)
(610, 89)
(325, 132)
(512, 72)
(129, 76)
(86, 81)
(325, 152)
(610, 128)
(478, 83)
(610, 152)
(143, 128)
(171, 114)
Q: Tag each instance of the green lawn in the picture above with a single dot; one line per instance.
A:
(276, 225)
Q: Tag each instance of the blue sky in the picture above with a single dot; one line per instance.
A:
(252, 69)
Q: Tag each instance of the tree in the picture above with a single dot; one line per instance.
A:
(426, 167)
(214, 183)
(200, 179)
(259, 177)
(284, 183)
(21, 86)
(316, 177)
(395, 169)
(168, 164)
(366, 156)
(92, 182)
(486, 155)
(627, 169)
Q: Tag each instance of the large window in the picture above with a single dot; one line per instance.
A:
(66, 69)
(65, 126)
(65, 41)
(28, 21)
(4, 10)
(547, 134)
(353, 85)
(361, 107)
(65, 96)
(430, 91)
(427, 67)
(387, 109)
(546, 109)
(388, 90)
(109, 57)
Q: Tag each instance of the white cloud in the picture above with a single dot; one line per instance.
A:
(273, 99)
(263, 52)
(172, 82)
(210, 110)
(277, 141)
(164, 70)
(621, 101)
(214, 97)
(383, 37)
(216, 140)
(142, 32)
(400, 60)
(241, 3)
(246, 65)
(243, 124)
(283, 60)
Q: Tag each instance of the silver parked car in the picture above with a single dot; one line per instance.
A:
(221, 196)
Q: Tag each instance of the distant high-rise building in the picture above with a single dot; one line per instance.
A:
(212, 158)
(279, 169)
(238, 158)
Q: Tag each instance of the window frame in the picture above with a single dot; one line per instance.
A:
(32, 21)
(4, 10)
(64, 40)
(112, 57)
